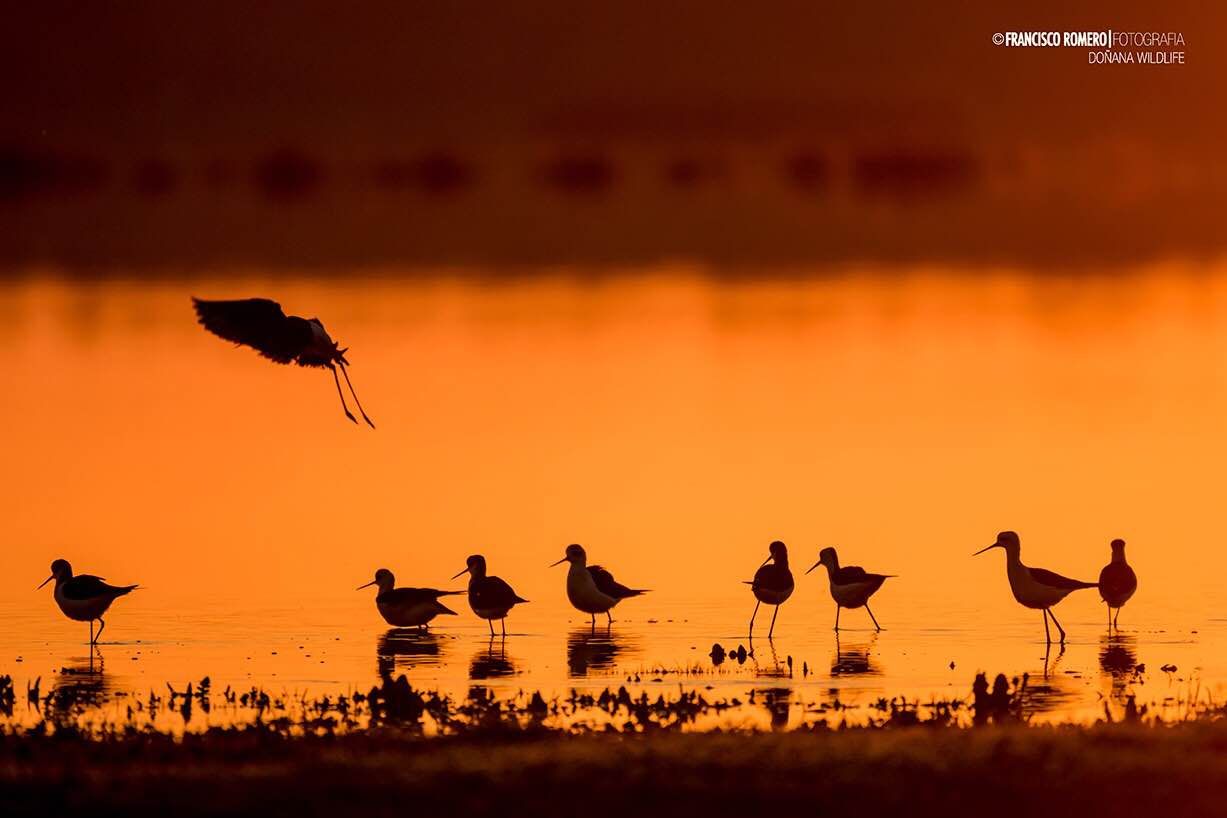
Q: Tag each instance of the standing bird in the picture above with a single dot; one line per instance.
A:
(260, 324)
(591, 588)
(851, 587)
(772, 583)
(84, 598)
(1117, 582)
(407, 607)
(1034, 587)
(490, 598)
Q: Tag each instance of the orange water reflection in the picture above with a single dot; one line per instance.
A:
(672, 424)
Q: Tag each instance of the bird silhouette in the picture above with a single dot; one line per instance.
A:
(84, 597)
(772, 583)
(1034, 587)
(407, 607)
(851, 586)
(590, 588)
(1117, 582)
(490, 597)
(260, 324)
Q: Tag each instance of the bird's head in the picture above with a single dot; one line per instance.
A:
(826, 557)
(575, 553)
(475, 566)
(1118, 547)
(1006, 540)
(383, 578)
(778, 552)
(60, 571)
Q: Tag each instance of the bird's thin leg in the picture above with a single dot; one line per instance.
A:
(874, 618)
(1116, 618)
(593, 620)
(503, 621)
(1109, 617)
(771, 630)
(609, 615)
(1047, 632)
(345, 372)
(101, 625)
(1058, 624)
(756, 604)
(91, 632)
(837, 617)
(490, 622)
(341, 394)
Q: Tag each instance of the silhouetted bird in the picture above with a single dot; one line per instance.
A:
(772, 583)
(407, 607)
(591, 588)
(1034, 587)
(260, 324)
(490, 598)
(851, 586)
(84, 598)
(1117, 582)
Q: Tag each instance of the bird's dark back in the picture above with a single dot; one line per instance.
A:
(606, 584)
(773, 577)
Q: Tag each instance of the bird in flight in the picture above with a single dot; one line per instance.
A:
(260, 324)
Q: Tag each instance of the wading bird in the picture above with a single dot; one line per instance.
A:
(591, 588)
(490, 598)
(772, 583)
(1034, 587)
(84, 598)
(1117, 582)
(260, 324)
(851, 586)
(407, 607)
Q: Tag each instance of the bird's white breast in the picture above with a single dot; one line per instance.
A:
(83, 610)
(583, 593)
(418, 613)
(852, 594)
(1031, 593)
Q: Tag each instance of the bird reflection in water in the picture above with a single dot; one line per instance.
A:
(79, 686)
(1118, 661)
(852, 658)
(777, 701)
(491, 662)
(589, 650)
(401, 649)
(1052, 689)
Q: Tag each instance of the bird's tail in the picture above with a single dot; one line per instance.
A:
(1087, 584)
(519, 600)
(443, 609)
(451, 593)
(636, 591)
(125, 589)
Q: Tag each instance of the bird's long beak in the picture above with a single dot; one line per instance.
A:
(45, 581)
(815, 565)
(368, 585)
(982, 550)
(462, 573)
(769, 559)
(560, 562)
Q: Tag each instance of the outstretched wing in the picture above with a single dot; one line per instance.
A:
(1045, 577)
(258, 323)
(606, 584)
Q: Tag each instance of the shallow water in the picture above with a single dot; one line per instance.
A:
(672, 423)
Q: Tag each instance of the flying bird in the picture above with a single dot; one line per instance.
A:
(260, 324)
(851, 586)
(490, 597)
(84, 598)
(407, 607)
(591, 588)
(772, 583)
(1034, 587)
(1117, 582)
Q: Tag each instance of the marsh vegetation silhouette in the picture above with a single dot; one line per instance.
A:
(407, 607)
(772, 583)
(262, 325)
(590, 588)
(1117, 582)
(851, 586)
(1035, 588)
(490, 597)
(84, 598)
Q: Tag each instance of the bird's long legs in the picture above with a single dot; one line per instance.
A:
(771, 630)
(837, 617)
(91, 632)
(101, 625)
(341, 394)
(609, 615)
(1109, 617)
(503, 622)
(756, 604)
(490, 622)
(1058, 624)
(345, 372)
(1047, 632)
(874, 618)
(1115, 618)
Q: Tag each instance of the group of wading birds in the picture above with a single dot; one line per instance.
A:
(261, 324)
(593, 590)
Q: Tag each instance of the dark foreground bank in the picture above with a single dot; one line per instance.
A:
(1118, 770)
